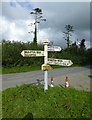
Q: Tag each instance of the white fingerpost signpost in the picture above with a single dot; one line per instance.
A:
(39, 53)
(45, 67)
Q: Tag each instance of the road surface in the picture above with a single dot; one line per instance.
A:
(79, 77)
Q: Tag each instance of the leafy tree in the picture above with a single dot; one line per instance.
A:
(67, 33)
(74, 48)
(82, 45)
(89, 55)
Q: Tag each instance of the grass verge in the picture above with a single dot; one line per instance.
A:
(0, 105)
(57, 102)
(0, 70)
(18, 69)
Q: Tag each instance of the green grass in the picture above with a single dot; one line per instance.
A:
(18, 69)
(25, 68)
(0, 70)
(57, 102)
(0, 105)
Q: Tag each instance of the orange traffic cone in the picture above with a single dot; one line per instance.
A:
(66, 83)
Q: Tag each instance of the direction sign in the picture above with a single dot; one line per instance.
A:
(62, 62)
(54, 48)
(32, 53)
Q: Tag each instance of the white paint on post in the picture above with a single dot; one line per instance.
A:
(45, 62)
(45, 53)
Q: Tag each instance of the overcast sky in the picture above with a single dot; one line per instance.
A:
(16, 17)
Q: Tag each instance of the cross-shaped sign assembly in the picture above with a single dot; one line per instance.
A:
(45, 67)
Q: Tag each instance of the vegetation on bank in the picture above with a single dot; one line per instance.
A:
(25, 68)
(18, 69)
(57, 102)
(12, 61)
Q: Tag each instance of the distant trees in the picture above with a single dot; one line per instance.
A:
(82, 45)
(11, 54)
(67, 34)
(74, 48)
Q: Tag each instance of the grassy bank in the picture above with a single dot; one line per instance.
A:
(57, 102)
(0, 70)
(18, 69)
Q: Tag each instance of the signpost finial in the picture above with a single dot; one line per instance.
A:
(45, 42)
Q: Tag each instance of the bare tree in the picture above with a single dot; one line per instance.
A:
(38, 18)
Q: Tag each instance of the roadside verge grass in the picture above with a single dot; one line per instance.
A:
(18, 69)
(57, 102)
(0, 70)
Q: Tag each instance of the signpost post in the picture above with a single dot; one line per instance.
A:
(45, 62)
(39, 53)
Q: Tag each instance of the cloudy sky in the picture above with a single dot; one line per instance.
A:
(15, 18)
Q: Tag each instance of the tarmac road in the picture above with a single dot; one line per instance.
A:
(79, 77)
